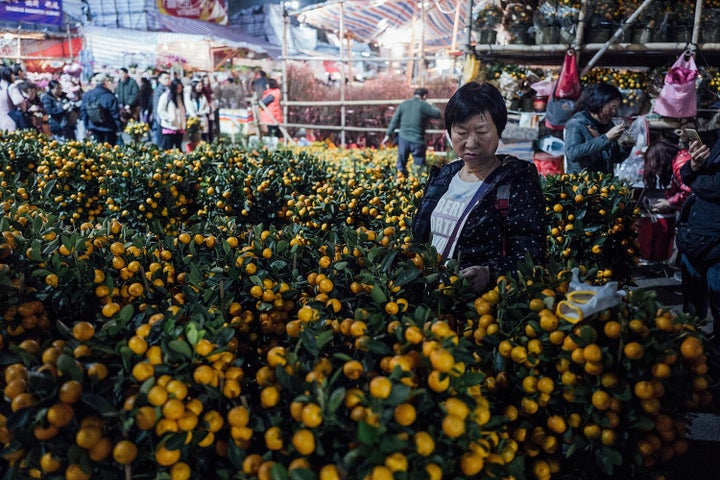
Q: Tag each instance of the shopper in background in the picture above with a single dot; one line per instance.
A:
(698, 236)
(214, 115)
(99, 110)
(145, 100)
(163, 81)
(171, 115)
(485, 210)
(663, 161)
(271, 116)
(411, 118)
(34, 112)
(196, 105)
(259, 84)
(11, 100)
(128, 95)
(57, 106)
(591, 137)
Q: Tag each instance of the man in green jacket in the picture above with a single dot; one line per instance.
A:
(128, 95)
(411, 119)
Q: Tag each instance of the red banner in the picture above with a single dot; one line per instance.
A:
(205, 10)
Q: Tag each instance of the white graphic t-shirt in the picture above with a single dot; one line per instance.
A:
(448, 211)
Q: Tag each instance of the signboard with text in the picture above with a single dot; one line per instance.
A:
(206, 10)
(46, 12)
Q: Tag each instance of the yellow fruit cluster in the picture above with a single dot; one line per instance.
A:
(210, 345)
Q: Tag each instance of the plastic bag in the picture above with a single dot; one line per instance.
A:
(568, 84)
(543, 88)
(584, 300)
(678, 97)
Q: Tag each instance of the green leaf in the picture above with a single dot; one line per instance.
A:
(67, 365)
(126, 313)
(378, 295)
(97, 403)
(302, 474)
(367, 434)
(323, 338)
(278, 472)
(336, 399)
(406, 276)
(236, 455)
(181, 347)
(191, 333)
(41, 383)
(19, 419)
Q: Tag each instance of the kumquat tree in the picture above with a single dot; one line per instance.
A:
(248, 314)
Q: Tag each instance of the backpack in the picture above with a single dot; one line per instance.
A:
(95, 112)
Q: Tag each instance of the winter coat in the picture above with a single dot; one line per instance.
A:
(171, 116)
(200, 108)
(705, 184)
(272, 113)
(157, 93)
(590, 151)
(108, 103)
(490, 236)
(128, 93)
(411, 117)
(57, 115)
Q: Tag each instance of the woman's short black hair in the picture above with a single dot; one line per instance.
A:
(594, 97)
(472, 99)
(6, 74)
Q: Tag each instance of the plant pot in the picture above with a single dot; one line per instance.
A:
(597, 34)
(487, 36)
(539, 103)
(518, 37)
(642, 34)
(567, 35)
(710, 32)
(547, 35)
(680, 33)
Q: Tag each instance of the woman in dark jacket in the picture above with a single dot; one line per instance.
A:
(505, 219)
(699, 240)
(591, 138)
(146, 92)
(57, 106)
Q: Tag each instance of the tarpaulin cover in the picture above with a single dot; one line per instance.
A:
(367, 20)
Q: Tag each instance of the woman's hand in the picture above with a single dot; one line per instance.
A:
(661, 205)
(615, 132)
(478, 276)
(699, 153)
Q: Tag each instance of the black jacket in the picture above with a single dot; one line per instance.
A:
(704, 217)
(57, 115)
(522, 228)
(592, 153)
(108, 102)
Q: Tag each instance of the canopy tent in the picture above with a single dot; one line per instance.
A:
(392, 21)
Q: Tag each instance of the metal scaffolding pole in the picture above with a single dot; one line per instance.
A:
(343, 77)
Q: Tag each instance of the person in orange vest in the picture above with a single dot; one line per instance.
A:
(271, 116)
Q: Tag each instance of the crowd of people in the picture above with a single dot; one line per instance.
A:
(102, 108)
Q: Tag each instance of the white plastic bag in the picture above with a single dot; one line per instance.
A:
(584, 300)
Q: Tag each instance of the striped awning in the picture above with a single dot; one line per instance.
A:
(369, 20)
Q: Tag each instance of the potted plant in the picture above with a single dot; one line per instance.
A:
(545, 21)
(517, 22)
(487, 19)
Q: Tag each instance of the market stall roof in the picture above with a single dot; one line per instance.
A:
(391, 21)
(219, 33)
